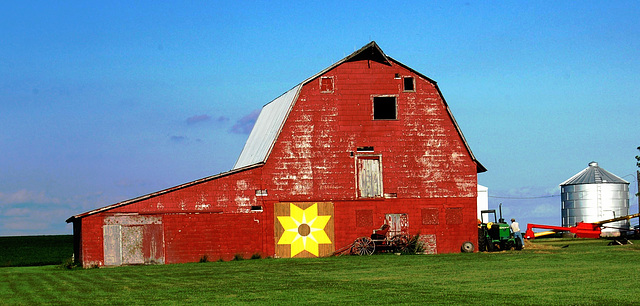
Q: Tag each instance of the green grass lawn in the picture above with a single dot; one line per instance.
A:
(586, 272)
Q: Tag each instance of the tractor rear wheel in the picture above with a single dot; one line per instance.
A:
(509, 245)
(518, 245)
(482, 240)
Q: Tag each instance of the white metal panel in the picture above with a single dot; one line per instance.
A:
(267, 128)
(112, 245)
(482, 200)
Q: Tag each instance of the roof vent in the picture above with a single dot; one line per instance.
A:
(593, 164)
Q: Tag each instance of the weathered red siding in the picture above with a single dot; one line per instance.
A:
(428, 174)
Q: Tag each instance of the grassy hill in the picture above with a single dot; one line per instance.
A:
(554, 271)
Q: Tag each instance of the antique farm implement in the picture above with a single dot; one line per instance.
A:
(380, 242)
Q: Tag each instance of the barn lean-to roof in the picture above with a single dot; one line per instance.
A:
(272, 119)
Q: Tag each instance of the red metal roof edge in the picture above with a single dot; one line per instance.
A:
(161, 192)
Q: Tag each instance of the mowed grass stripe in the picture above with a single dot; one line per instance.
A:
(585, 272)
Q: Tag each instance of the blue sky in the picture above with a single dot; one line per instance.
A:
(105, 101)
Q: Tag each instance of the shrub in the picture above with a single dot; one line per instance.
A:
(69, 264)
(238, 257)
(415, 245)
(256, 256)
(204, 258)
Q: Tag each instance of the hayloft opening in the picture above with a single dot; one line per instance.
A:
(384, 108)
(369, 176)
(409, 84)
(326, 84)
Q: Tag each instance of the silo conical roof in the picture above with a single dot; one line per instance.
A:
(594, 175)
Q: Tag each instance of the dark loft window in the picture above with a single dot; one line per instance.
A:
(408, 84)
(326, 84)
(384, 108)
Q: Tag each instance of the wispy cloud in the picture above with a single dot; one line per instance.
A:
(178, 138)
(222, 119)
(246, 123)
(544, 210)
(206, 118)
(26, 196)
(197, 119)
(29, 212)
(34, 219)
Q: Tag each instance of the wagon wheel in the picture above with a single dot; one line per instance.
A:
(363, 246)
(400, 243)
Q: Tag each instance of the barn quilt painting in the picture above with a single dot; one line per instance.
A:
(304, 229)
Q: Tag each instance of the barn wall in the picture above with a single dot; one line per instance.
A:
(425, 163)
(189, 237)
(426, 217)
(421, 153)
(92, 243)
(427, 174)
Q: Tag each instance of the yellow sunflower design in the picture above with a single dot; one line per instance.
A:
(304, 229)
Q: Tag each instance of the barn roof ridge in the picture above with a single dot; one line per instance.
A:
(273, 115)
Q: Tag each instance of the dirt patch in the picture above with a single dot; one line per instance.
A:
(528, 245)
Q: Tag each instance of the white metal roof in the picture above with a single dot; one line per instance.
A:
(594, 175)
(267, 127)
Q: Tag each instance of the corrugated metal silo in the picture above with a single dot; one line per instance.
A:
(595, 194)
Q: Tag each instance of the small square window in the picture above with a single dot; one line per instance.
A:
(364, 218)
(326, 84)
(384, 108)
(430, 216)
(408, 84)
(256, 208)
(453, 215)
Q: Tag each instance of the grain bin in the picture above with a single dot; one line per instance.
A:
(594, 194)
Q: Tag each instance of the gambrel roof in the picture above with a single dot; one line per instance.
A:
(274, 114)
(271, 121)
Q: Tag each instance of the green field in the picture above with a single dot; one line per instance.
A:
(35, 250)
(584, 272)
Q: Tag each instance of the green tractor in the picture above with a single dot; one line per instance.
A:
(495, 235)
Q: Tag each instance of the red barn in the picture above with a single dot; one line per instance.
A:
(365, 142)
